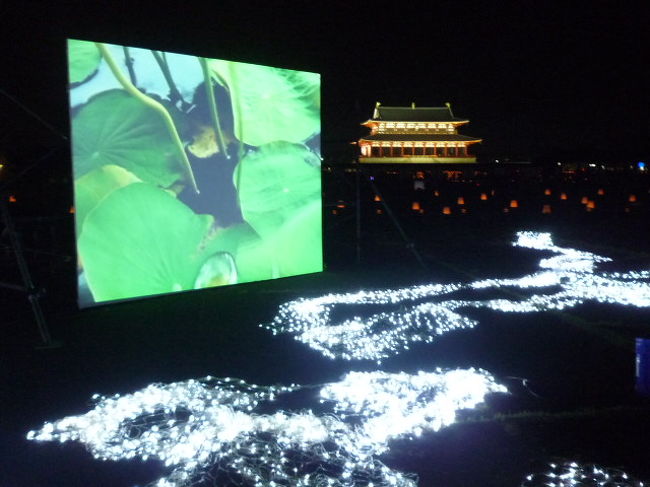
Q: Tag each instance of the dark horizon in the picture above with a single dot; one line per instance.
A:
(536, 82)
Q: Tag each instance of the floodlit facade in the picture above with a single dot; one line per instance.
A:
(415, 135)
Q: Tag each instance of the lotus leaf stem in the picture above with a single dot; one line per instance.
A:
(213, 106)
(175, 94)
(129, 65)
(238, 129)
(157, 106)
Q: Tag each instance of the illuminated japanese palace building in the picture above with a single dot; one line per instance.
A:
(415, 135)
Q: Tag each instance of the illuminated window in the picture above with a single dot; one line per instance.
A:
(451, 151)
(376, 151)
(440, 151)
(430, 151)
(408, 151)
(419, 151)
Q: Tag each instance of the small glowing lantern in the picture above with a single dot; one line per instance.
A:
(546, 209)
(72, 210)
(12, 199)
(446, 210)
(340, 205)
(416, 206)
(463, 210)
(379, 211)
(514, 204)
(436, 193)
(492, 192)
(547, 192)
(563, 196)
(483, 197)
(421, 211)
(601, 191)
(334, 212)
(461, 200)
(377, 197)
(584, 200)
(632, 198)
(591, 204)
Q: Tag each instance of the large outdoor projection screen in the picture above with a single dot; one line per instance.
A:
(190, 172)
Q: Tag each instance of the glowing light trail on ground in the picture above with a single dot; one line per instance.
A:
(422, 313)
(221, 429)
(209, 429)
(570, 474)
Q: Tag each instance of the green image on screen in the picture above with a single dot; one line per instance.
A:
(190, 172)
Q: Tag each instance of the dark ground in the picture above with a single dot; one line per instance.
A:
(580, 402)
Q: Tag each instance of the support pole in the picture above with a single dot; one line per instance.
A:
(33, 294)
(358, 211)
(408, 243)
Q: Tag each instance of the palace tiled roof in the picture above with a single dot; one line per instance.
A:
(422, 137)
(416, 114)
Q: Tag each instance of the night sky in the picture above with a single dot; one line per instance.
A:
(540, 81)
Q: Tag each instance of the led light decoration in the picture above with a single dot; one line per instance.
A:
(422, 313)
(211, 428)
(570, 474)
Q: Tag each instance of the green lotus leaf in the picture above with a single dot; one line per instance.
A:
(92, 188)
(230, 239)
(295, 248)
(83, 60)
(299, 243)
(115, 128)
(275, 183)
(253, 261)
(270, 104)
(139, 240)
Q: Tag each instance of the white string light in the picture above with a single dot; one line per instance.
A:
(565, 280)
(214, 429)
(570, 474)
(209, 428)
